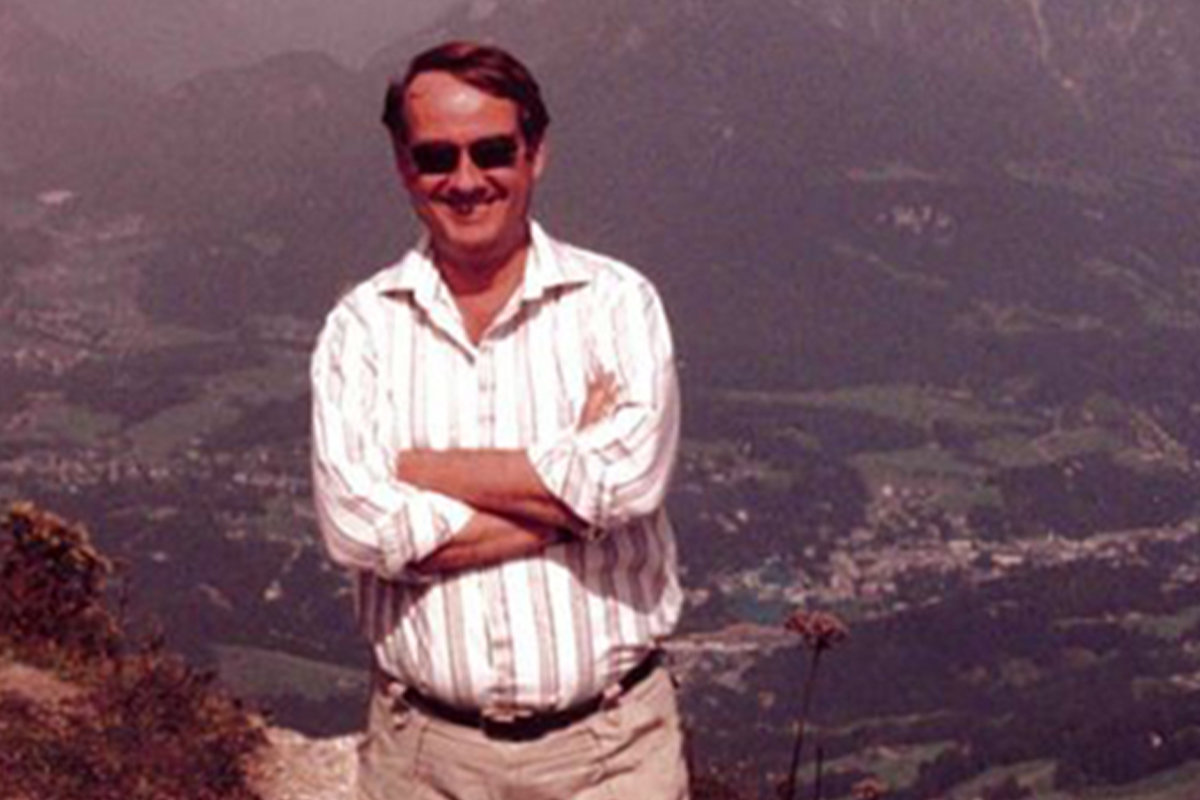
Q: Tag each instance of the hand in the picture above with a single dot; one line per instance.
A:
(602, 395)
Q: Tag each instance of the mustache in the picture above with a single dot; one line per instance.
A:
(461, 197)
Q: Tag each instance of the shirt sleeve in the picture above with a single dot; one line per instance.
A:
(369, 520)
(619, 468)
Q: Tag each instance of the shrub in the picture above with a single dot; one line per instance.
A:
(144, 725)
(52, 585)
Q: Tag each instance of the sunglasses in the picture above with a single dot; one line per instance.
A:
(441, 158)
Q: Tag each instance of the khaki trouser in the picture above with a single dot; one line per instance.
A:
(631, 751)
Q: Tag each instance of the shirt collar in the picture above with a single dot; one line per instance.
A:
(547, 268)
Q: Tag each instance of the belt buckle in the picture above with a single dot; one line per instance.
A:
(501, 720)
(505, 713)
(610, 698)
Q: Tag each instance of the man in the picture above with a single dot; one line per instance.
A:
(495, 422)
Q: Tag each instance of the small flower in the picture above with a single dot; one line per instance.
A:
(869, 789)
(819, 630)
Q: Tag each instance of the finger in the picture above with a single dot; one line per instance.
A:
(600, 381)
(603, 393)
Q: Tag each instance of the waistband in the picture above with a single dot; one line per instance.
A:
(534, 725)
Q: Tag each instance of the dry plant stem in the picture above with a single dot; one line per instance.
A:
(820, 768)
(805, 703)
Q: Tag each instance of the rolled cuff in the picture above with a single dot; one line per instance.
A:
(418, 530)
(569, 474)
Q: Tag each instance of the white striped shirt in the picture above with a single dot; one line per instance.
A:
(395, 370)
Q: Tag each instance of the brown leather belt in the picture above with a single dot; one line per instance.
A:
(527, 727)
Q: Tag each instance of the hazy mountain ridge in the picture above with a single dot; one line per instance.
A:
(937, 319)
(152, 41)
(1113, 60)
(56, 103)
(162, 42)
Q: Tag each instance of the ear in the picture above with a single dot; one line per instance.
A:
(403, 160)
(539, 158)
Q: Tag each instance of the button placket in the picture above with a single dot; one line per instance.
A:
(485, 372)
(500, 641)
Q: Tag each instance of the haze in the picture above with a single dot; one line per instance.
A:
(162, 42)
(930, 265)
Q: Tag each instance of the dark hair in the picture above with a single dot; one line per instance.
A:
(485, 67)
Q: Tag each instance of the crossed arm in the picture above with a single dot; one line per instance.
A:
(515, 514)
(397, 514)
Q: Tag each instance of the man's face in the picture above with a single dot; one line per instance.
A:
(476, 214)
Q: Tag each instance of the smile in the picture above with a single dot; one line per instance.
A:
(466, 206)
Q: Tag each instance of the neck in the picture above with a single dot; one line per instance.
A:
(482, 287)
(470, 274)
